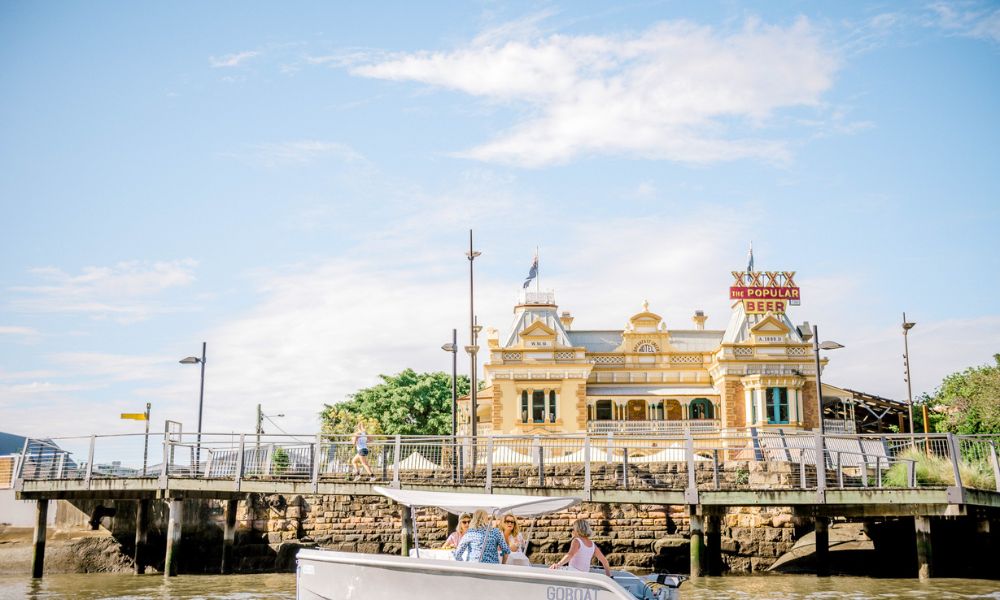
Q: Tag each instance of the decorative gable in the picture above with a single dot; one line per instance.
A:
(537, 335)
(770, 329)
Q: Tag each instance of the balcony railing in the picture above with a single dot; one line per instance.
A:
(678, 427)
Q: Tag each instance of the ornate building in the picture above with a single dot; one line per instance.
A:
(543, 376)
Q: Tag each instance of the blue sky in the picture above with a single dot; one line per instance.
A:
(294, 185)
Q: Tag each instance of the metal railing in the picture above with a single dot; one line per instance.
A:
(676, 427)
(692, 461)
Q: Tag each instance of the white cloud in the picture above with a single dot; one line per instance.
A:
(18, 330)
(676, 91)
(232, 60)
(975, 20)
(123, 292)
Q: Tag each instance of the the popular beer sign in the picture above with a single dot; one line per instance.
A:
(765, 291)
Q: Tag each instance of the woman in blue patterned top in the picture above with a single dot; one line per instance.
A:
(482, 542)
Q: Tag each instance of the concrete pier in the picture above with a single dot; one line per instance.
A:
(38, 539)
(406, 533)
(229, 537)
(713, 544)
(697, 544)
(174, 525)
(822, 554)
(141, 534)
(922, 526)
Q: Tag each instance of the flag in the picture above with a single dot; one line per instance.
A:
(532, 272)
(750, 259)
(134, 416)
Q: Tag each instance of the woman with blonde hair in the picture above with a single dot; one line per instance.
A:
(512, 535)
(582, 550)
(456, 536)
(482, 542)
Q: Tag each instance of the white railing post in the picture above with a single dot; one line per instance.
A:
(164, 469)
(996, 463)
(396, 449)
(19, 475)
(540, 453)
(691, 493)
(238, 475)
(820, 465)
(317, 447)
(953, 452)
(586, 465)
(90, 461)
(489, 465)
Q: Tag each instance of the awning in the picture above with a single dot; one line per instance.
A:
(522, 506)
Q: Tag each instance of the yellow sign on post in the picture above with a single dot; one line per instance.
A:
(134, 416)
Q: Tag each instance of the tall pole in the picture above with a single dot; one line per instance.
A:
(260, 424)
(906, 361)
(201, 404)
(472, 348)
(454, 384)
(819, 384)
(145, 443)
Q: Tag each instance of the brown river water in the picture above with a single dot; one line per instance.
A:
(275, 586)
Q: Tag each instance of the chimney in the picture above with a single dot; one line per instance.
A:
(699, 319)
(566, 319)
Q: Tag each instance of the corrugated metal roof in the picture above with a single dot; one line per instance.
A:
(596, 341)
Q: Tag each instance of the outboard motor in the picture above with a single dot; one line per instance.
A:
(668, 585)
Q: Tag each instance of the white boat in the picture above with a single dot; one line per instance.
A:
(329, 575)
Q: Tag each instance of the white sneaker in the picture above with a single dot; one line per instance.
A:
(356, 477)
(372, 478)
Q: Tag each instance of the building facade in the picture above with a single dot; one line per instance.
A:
(544, 376)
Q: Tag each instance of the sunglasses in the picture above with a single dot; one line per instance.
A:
(466, 522)
(510, 522)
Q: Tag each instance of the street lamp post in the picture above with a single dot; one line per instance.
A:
(194, 360)
(472, 348)
(819, 384)
(907, 326)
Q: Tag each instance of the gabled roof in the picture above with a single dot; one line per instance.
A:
(525, 316)
(740, 324)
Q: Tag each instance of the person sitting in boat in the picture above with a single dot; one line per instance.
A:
(512, 535)
(582, 550)
(456, 536)
(482, 542)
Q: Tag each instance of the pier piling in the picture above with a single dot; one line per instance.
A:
(141, 533)
(406, 534)
(229, 537)
(822, 537)
(713, 544)
(38, 539)
(922, 526)
(697, 543)
(174, 525)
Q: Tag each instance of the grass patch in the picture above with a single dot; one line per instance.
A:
(935, 470)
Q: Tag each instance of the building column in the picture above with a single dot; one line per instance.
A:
(822, 537)
(922, 527)
(697, 544)
(229, 536)
(141, 533)
(38, 538)
(174, 525)
(406, 533)
(713, 544)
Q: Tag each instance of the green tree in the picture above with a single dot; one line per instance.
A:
(408, 403)
(967, 402)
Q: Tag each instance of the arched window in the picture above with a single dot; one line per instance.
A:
(646, 348)
(701, 408)
(538, 406)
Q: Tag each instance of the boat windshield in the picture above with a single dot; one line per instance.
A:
(522, 506)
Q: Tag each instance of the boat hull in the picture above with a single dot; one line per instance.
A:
(330, 575)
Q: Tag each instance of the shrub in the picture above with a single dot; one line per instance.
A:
(937, 470)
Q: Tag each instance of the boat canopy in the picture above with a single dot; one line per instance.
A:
(522, 506)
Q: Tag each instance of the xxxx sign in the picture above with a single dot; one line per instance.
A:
(765, 291)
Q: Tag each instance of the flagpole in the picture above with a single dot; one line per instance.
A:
(538, 270)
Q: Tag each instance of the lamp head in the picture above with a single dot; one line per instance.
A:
(191, 360)
(828, 345)
(908, 326)
(449, 347)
